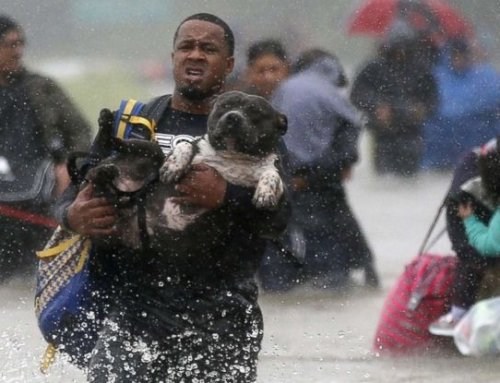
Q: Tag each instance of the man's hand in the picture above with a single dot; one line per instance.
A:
(465, 210)
(203, 186)
(91, 216)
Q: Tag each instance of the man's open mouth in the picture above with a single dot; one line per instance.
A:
(194, 74)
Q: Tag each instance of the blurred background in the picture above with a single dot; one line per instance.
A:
(106, 50)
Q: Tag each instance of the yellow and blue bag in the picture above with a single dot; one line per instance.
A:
(67, 303)
(70, 296)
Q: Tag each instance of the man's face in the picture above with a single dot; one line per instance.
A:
(265, 74)
(201, 59)
(11, 52)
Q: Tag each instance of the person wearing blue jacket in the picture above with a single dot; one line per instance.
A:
(468, 111)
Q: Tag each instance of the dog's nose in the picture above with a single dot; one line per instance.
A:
(233, 118)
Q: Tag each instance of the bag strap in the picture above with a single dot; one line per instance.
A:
(423, 246)
(48, 358)
(26, 216)
(129, 114)
(155, 108)
(52, 251)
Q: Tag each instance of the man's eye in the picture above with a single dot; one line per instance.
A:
(183, 47)
(210, 49)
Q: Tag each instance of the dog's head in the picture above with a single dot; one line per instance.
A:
(245, 123)
(133, 164)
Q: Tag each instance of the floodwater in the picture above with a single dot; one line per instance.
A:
(313, 336)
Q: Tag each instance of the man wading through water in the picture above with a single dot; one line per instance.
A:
(196, 319)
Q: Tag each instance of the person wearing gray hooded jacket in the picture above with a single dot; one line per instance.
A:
(322, 140)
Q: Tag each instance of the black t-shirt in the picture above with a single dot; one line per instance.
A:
(213, 290)
(176, 126)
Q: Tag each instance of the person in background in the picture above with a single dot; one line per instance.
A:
(267, 66)
(469, 105)
(194, 318)
(398, 92)
(475, 188)
(322, 139)
(39, 126)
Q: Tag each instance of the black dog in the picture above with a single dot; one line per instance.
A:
(241, 144)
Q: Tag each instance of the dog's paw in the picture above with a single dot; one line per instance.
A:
(269, 190)
(177, 163)
(170, 171)
(264, 199)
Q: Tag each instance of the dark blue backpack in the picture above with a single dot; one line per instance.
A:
(70, 299)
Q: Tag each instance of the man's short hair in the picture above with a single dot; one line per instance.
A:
(228, 33)
(265, 47)
(7, 24)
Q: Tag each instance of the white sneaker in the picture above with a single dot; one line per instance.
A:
(444, 325)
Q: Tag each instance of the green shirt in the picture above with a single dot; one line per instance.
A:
(485, 239)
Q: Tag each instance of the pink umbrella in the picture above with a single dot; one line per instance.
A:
(374, 17)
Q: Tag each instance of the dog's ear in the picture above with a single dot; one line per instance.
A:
(283, 123)
(102, 144)
(105, 134)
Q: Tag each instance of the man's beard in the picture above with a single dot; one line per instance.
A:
(193, 93)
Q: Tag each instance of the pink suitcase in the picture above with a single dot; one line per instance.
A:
(420, 296)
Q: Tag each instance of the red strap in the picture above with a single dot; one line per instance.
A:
(29, 217)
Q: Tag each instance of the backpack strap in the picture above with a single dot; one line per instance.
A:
(128, 115)
(133, 113)
(155, 108)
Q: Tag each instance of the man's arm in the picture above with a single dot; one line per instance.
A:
(204, 187)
